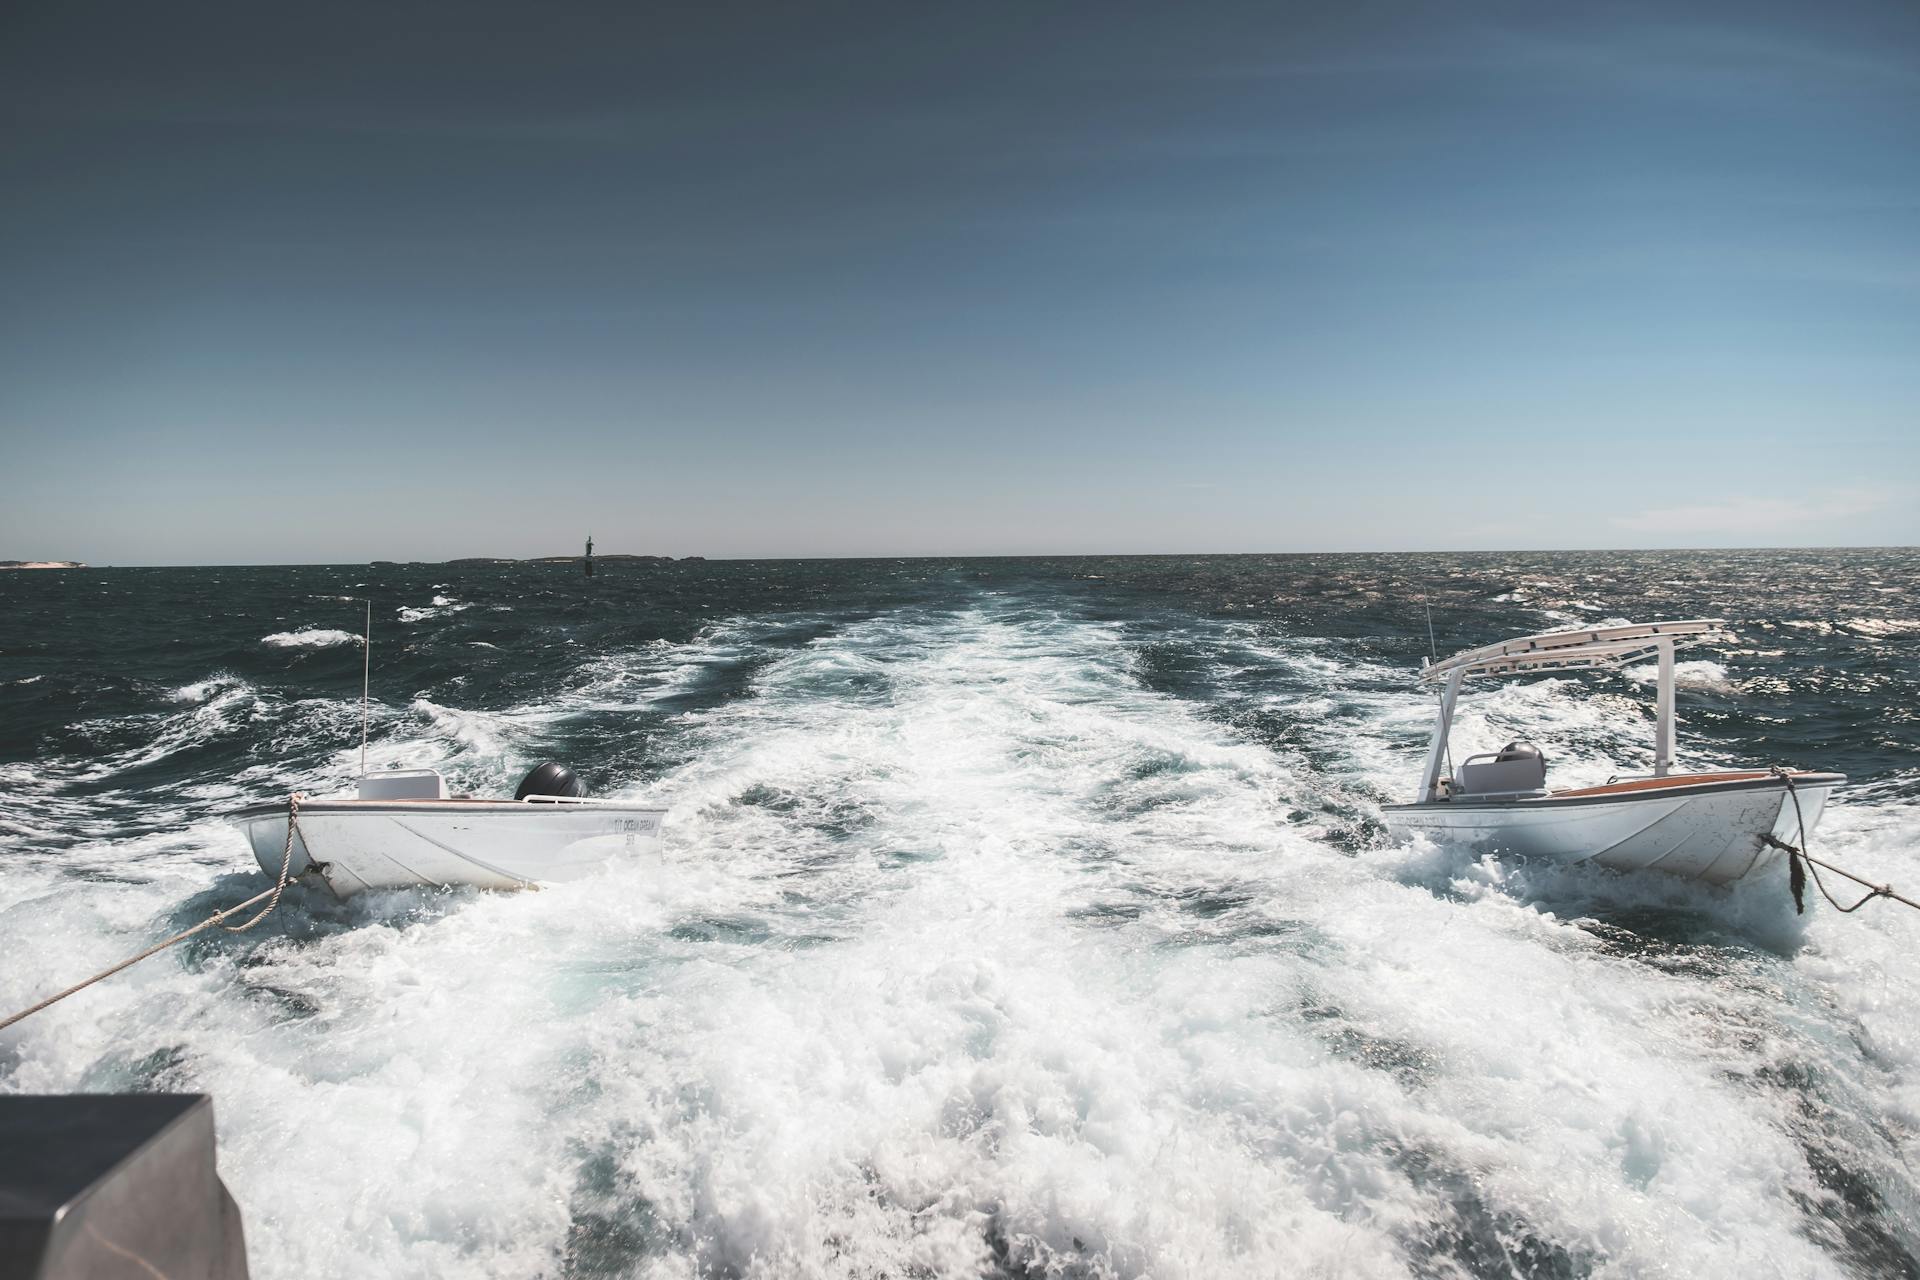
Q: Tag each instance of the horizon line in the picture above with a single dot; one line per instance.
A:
(999, 555)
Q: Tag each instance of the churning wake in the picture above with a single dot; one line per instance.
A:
(990, 938)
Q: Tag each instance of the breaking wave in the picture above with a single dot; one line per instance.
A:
(1695, 674)
(440, 607)
(1009, 923)
(310, 638)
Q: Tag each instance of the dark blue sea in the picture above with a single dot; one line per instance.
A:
(1015, 918)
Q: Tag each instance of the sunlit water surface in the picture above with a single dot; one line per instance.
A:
(1015, 918)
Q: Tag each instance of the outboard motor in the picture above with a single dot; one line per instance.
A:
(1522, 750)
(551, 779)
(1525, 759)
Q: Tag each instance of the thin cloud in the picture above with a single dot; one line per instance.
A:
(1754, 514)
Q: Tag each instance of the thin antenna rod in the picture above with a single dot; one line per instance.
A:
(1432, 648)
(366, 678)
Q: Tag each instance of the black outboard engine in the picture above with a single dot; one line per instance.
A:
(551, 779)
(1521, 750)
(1525, 762)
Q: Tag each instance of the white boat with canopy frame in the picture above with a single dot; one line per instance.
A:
(1718, 827)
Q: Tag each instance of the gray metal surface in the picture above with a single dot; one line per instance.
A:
(105, 1186)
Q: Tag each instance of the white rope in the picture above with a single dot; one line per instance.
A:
(1797, 853)
(218, 917)
(286, 864)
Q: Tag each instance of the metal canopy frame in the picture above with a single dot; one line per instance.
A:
(1581, 649)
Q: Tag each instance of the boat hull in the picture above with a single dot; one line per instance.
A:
(356, 845)
(1710, 830)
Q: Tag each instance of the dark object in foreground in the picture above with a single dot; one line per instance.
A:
(112, 1185)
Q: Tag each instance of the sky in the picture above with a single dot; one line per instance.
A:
(327, 283)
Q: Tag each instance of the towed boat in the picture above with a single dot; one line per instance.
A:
(403, 830)
(1718, 827)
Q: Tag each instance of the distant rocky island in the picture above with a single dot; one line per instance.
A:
(47, 564)
(477, 561)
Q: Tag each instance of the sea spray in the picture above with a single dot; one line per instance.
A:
(1013, 916)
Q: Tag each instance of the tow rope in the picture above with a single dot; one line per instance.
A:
(1797, 874)
(217, 918)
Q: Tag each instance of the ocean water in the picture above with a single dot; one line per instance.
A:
(1015, 918)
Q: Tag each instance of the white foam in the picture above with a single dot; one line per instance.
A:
(310, 638)
(204, 690)
(970, 952)
(637, 679)
(1698, 673)
(440, 607)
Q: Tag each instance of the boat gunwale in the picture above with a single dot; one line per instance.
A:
(347, 805)
(1638, 789)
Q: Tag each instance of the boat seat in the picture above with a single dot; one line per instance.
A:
(1516, 768)
(403, 784)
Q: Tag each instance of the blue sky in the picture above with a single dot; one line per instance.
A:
(427, 281)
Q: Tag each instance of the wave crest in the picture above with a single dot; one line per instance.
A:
(310, 638)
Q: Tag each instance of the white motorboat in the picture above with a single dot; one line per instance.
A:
(402, 829)
(1718, 827)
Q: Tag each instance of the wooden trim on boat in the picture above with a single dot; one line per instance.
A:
(1619, 792)
(1671, 780)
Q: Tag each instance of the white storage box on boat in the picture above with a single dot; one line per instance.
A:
(403, 784)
